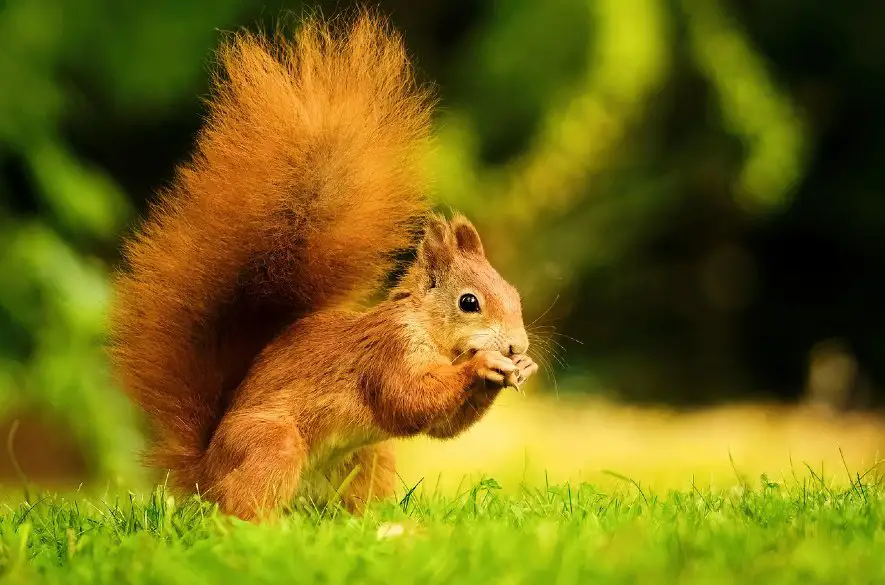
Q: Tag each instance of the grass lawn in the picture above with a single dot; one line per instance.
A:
(803, 529)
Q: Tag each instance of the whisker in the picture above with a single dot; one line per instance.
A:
(470, 337)
(556, 343)
(551, 349)
(545, 365)
(548, 352)
(539, 317)
(551, 330)
(569, 337)
(555, 346)
(558, 359)
(546, 341)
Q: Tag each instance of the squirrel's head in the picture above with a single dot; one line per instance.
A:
(468, 305)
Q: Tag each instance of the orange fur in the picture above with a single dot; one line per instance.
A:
(227, 327)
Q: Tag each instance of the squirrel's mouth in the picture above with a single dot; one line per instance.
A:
(466, 348)
(462, 354)
(466, 352)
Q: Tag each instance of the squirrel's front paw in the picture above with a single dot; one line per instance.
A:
(525, 367)
(492, 366)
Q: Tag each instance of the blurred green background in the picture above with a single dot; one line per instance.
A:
(687, 192)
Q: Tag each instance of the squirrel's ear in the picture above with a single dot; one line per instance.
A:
(437, 248)
(466, 236)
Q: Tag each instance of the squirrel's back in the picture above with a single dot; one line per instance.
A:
(304, 183)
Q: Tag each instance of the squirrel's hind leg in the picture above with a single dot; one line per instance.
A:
(254, 463)
(375, 478)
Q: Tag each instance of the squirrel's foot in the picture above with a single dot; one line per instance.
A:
(525, 367)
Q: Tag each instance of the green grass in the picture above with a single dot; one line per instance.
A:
(802, 530)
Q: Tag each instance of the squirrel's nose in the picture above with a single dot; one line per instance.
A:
(518, 345)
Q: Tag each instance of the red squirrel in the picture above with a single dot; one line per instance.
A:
(229, 325)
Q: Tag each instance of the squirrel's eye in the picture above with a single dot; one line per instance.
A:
(468, 303)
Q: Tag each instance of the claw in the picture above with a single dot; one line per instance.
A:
(525, 367)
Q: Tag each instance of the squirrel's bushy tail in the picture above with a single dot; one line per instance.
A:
(304, 183)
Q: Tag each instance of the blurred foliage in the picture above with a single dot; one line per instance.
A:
(691, 189)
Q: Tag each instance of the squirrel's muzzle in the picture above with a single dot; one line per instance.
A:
(518, 344)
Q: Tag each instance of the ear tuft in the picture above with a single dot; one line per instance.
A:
(466, 237)
(438, 246)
